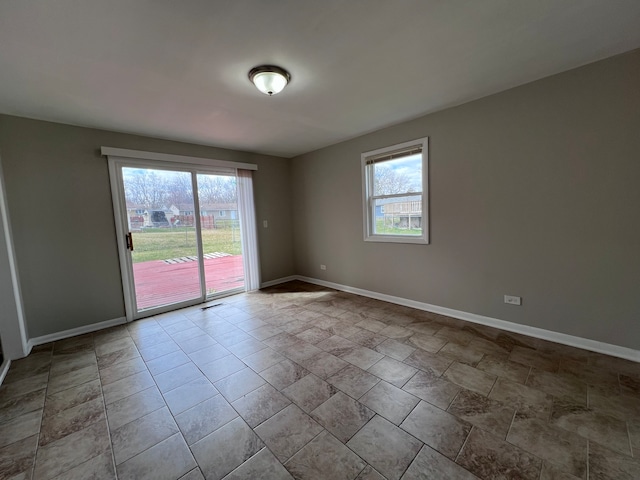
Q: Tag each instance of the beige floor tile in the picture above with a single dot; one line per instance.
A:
(490, 457)
(127, 386)
(191, 345)
(167, 460)
(190, 394)
(300, 351)
(463, 354)
(395, 349)
(314, 335)
(227, 448)
(527, 401)
(324, 364)
(504, 368)
(14, 407)
(604, 429)
(99, 467)
(426, 341)
(283, 374)
(366, 338)
(158, 350)
(263, 359)
(21, 387)
(194, 474)
(438, 429)
(176, 377)
(428, 362)
(362, 357)
(386, 447)
(470, 378)
(353, 381)
(325, 457)
(118, 356)
(204, 418)
(534, 358)
(431, 464)
(133, 407)
(262, 466)
(342, 416)
(260, 405)
(18, 457)
(62, 364)
(70, 451)
(560, 447)
(246, 348)
(20, 427)
(390, 402)
(562, 386)
(137, 436)
(489, 415)
(370, 473)
(239, 384)
(605, 464)
(432, 389)
(121, 370)
(288, 431)
(71, 420)
(393, 371)
(309, 392)
(199, 357)
(221, 368)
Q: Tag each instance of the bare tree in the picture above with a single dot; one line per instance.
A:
(217, 189)
(388, 181)
(179, 190)
(146, 188)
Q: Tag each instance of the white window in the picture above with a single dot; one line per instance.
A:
(395, 193)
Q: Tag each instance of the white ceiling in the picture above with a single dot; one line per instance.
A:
(178, 69)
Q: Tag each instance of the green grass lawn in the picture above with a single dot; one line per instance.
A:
(389, 230)
(165, 243)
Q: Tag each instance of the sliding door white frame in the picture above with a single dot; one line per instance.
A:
(194, 166)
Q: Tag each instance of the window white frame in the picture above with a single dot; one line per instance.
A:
(368, 198)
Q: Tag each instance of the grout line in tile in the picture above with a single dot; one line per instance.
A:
(588, 451)
(513, 418)
(463, 445)
(106, 421)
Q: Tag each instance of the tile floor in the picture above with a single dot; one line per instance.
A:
(299, 381)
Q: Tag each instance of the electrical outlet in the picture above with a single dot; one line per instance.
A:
(323, 267)
(511, 300)
(265, 224)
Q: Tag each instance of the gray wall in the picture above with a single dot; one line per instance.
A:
(62, 218)
(534, 192)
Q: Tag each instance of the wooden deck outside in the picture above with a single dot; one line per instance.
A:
(158, 283)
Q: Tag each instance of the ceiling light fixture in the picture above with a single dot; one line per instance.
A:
(269, 79)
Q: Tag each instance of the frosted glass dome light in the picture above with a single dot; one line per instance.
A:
(269, 79)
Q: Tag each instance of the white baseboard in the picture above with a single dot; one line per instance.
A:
(278, 281)
(52, 337)
(4, 369)
(579, 342)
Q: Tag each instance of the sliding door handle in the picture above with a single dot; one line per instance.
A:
(129, 238)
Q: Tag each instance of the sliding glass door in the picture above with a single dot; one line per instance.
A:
(180, 235)
(220, 233)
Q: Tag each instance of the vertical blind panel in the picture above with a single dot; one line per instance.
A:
(246, 205)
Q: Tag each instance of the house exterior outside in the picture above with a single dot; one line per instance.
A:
(402, 212)
(212, 215)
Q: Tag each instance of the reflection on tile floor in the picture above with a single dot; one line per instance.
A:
(300, 381)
